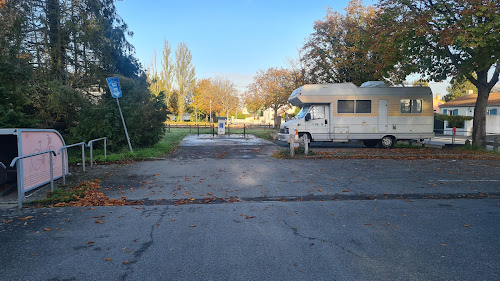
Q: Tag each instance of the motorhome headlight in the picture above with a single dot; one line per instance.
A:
(284, 130)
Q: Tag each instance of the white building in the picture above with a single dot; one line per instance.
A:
(464, 106)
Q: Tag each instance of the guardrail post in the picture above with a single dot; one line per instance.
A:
(83, 157)
(91, 155)
(20, 187)
(63, 168)
(51, 174)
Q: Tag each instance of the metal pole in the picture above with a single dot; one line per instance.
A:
(83, 157)
(63, 170)
(105, 155)
(20, 187)
(244, 130)
(51, 174)
(91, 155)
(198, 127)
(210, 111)
(124, 126)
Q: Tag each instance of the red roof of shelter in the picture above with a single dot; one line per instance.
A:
(470, 100)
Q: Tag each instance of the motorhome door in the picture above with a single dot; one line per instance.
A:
(382, 115)
(317, 122)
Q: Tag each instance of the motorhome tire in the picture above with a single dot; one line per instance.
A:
(370, 143)
(308, 136)
(386, 142)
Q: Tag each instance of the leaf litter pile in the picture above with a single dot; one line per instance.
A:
(396, 154)
(86, 194)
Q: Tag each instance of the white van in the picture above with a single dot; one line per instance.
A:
(373, 113)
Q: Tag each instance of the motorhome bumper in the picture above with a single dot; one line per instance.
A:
(283, 137)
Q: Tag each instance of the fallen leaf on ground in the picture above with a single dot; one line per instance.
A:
(108, 259)
(47, 229)
(444, 245)
(90, 242)
(467, 225)
(26, 218)
(192, 226)
(98, 221)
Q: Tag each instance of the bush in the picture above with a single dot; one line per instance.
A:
(144, 115)
(454, 120)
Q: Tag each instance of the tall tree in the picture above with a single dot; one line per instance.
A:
(167, 71)
(272, 87)
(443, 38)
(459, 86)
(340, 50)
(184, 75)
(154, 79)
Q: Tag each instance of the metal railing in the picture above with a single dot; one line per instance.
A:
(91, 145)
(82, 144)
(20, 189)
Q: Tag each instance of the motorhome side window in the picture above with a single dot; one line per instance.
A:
(354, 106)
(411, 106)
(317, 112)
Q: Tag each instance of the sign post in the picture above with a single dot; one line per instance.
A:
(116, 92)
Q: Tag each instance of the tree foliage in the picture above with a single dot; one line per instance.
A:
(218, 95)
(444, 38)
(459, 86)
(185, 76)
(271, 89)
(54, 58)
(340, 48)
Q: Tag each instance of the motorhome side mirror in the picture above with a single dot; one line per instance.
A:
(308, 117)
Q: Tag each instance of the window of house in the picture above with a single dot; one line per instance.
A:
(491, 111)
(411, 106)
(354, 106)
(445, 111)
(453, 112)
(317, 112)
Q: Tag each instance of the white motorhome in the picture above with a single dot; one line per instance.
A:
(373, 113)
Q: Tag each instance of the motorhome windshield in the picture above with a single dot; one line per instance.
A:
(303, 112)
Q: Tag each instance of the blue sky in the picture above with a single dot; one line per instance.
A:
(233, 39)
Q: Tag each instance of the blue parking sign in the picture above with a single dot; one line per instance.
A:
(114, 87)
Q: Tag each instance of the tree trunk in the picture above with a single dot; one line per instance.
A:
(479, 125)
(276, 119)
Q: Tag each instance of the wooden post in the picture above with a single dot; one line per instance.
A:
(306, 144)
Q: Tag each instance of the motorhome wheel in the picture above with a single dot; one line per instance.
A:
(386, 142)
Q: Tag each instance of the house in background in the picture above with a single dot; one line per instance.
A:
(436, 102)
(464, 106)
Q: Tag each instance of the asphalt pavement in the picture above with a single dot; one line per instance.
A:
(231, 211)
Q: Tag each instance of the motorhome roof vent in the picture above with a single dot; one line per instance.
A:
(372, 84)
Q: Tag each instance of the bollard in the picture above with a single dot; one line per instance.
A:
(495, 144)
(292, 147)
(244, 130)
(198, 127)
(306, 144)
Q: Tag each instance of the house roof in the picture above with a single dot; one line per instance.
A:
(470, 100)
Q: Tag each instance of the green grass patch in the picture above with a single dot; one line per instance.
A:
(408, 145)
(62, 196)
